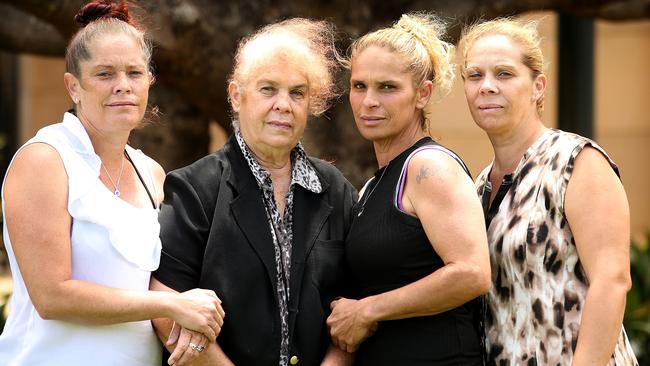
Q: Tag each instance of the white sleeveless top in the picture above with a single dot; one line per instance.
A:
(113, 243)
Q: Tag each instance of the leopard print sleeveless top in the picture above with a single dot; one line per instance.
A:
(539, 285)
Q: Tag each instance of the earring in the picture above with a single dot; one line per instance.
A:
(74, 100)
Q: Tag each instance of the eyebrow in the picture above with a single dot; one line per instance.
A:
(273, 82)
(100, 66)
(497, 66)
(388, 81)
(103, 67)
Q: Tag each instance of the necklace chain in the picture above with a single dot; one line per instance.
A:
(363, 205)
(115, 185)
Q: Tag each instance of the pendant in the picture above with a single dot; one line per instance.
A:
(360, 212)
(117, 193)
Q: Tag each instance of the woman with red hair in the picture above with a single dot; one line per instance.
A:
(81, 209)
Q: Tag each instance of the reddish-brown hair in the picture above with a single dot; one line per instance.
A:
(104, 9)
(99, 18)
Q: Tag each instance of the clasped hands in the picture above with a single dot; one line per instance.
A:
(198, 325)
(349, 324)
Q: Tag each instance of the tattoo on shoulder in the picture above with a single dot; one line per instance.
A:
(424, 173)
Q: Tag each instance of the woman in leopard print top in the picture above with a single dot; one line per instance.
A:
(559, 243)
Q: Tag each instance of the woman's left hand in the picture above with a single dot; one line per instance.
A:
(189, 345)
(347, 324)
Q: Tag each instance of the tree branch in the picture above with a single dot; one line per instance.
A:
(195, 41)
(22, 32)
(58, 13)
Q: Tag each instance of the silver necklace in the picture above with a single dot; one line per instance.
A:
(363, 205)
(115, 185)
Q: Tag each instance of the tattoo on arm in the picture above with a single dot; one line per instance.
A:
(424, 173)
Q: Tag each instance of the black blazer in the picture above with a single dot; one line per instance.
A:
(215, 235)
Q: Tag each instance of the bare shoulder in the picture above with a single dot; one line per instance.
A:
(590, 160)
(38, 152)
(583, 197)
(34, 159)
(591, 166)
(26, 184)
(435, 167)
(436, 180)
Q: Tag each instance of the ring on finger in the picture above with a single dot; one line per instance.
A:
(196, 347)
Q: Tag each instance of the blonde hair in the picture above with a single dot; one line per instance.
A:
(416, 37)
(308, 42)
(523, 33)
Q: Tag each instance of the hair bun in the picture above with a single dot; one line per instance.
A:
(422, 25)
(428, 29)
(103, 9)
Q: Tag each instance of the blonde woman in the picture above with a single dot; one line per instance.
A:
(417, 249)
(556, 212)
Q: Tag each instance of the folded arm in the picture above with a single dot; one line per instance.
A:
(442, 196)
(39, 226)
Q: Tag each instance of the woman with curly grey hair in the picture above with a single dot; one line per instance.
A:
(260, 222)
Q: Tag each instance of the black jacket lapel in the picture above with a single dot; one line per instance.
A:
(310, 212)
(249, 212)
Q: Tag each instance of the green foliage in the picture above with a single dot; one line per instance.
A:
(637, 310)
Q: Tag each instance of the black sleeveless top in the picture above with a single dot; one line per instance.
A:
(387, 249)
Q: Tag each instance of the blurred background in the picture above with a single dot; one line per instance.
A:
(597, 53)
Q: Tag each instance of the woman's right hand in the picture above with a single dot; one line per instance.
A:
(199, 310)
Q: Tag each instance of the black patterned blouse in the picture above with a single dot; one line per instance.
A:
(281, 226)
